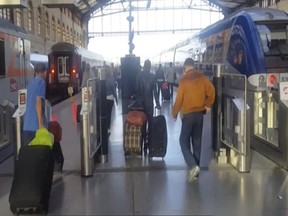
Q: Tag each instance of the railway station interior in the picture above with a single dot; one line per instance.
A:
(244, 154)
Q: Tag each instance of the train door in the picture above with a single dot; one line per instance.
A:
(63, 68)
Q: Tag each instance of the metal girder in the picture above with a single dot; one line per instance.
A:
(227, 6)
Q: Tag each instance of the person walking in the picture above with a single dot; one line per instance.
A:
(34, 117)
(145, 88)
(170, 78)
(195, 96)
(160, 78)
(111, 96)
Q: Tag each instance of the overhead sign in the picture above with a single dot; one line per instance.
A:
(14, 3)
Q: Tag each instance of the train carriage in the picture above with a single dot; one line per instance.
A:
(15, 70)
(65, 62)
(252, 42)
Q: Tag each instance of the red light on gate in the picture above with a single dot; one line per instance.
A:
(52, 71)
(73, 71)
(272, 79)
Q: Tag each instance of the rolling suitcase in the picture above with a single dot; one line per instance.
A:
(55, 128)
(165, 91)
(31, 186)
(158, 137)
(133, 138)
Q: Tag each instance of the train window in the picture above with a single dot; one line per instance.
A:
(67, 61)
(209, 54)
(2, 58)
(60, 65)
(218, 54)
(274, 39)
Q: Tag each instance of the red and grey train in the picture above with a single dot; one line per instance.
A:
(65, 62)
(15, 68)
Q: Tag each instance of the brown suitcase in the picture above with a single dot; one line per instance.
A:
(133, 138)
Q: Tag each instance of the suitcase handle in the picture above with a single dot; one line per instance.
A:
(157, 110)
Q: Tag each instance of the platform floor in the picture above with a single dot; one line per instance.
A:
(141, 186)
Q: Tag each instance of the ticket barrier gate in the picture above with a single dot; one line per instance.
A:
(271, 120)
(231, 132)
(93, 130)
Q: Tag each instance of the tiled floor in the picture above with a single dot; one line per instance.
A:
(141, 186)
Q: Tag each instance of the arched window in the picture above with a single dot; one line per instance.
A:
(68, 34)
(71, 35)
(39, 30)
(19, 17)
(64, 33)
(53, 29)
(74, 36)
(5, 13)
(30, 17)
(58, 31)
(47, 25)
(77, 38)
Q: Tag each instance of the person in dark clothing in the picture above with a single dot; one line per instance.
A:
(111, 95)
(81, 72)
(160, 78)
(145, 89)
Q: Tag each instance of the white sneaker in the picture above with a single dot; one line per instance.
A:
(193, 174)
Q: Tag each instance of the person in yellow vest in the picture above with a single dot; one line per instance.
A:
(195, 96)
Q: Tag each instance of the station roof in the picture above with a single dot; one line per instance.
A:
(86, 7)
(231, 5)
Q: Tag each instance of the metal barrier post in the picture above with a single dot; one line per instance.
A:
(216, 110)
(86, 162)
(103, 130)
(19, 113)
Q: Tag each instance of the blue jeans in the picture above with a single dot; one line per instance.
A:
(192, 124)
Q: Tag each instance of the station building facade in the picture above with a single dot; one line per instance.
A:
(47, 26)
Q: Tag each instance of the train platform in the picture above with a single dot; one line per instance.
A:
(143, 186)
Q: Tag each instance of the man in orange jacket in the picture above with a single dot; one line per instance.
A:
(195, 96)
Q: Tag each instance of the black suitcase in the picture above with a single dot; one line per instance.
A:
(165, 91)
(31, 186)
(158, 137)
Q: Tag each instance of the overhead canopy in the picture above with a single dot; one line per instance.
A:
(87, 7)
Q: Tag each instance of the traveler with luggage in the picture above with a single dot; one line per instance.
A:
(145, 89)
(34, 117)
(195, 96)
